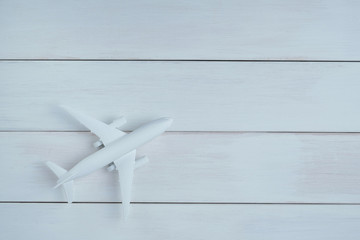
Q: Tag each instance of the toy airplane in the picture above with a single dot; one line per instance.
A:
(118, 152)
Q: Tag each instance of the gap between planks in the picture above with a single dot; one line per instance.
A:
(180, 203)
(239, 132)
(173, 60)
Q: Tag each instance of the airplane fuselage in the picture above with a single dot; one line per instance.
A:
(117, 149)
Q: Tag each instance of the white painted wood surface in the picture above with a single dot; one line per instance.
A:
(209, 168)
(151, 221)
(193, 167)
(200, 96)
(211, 29)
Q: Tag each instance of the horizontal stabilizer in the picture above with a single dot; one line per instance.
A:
(68, 186)
(59, 171)
(69, 190)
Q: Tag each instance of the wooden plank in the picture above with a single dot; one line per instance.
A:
(193, 167)
(211, 29)
(253, 222)
(200, 96)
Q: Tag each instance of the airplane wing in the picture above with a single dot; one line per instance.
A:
(106, 133)
(125, 166)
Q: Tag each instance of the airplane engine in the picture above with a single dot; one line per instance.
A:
(111, 167)
(115, 124)
(98, 144)
(139, 162)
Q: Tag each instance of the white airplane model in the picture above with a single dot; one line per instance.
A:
(118, 152)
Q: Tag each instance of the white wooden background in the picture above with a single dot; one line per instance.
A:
(265, 96)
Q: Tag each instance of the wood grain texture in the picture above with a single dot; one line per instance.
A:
(200, 96)
(103, 221)
(211, 29)
(210, 177)
(193, 167)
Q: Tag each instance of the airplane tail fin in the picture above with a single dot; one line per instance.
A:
(68, 186)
